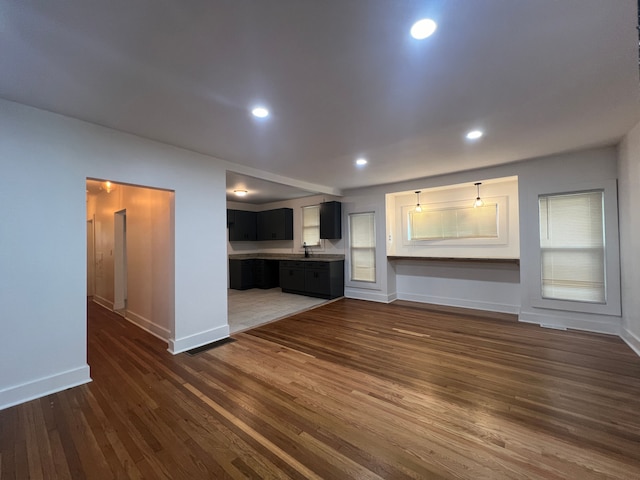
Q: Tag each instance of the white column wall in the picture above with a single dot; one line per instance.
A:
(45, 159)
(629, 198)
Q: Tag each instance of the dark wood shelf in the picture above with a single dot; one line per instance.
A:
(511, 261)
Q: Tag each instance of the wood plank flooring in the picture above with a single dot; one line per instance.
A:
(351, 389)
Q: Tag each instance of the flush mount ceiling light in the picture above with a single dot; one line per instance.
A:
(474, 134)
(418, 207)
(240, 193)
(108, 186)
(260, 112)
(478, 202)
(361, 162)
(423, 28)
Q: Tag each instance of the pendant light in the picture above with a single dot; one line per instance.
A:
(418, 207)
(478, 202)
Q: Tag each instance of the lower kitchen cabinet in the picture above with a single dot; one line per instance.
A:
(266, 273)
(313, 278)
(253, 273)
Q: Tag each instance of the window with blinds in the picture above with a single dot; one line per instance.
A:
(362, 244)
(311, 225)
(454, 222)
(572, 246)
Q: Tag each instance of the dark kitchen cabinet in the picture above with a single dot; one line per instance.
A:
(253, 273)
(242, 225)
(313, 278)
(241, 274)
(331, 220)
(266, 273)
(292, 276)
(275, 224)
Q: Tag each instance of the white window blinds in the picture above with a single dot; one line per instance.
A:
(362, 244)
(311, 225)
(454, 222)
(572, 247)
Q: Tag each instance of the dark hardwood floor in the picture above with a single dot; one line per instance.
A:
(351, 389)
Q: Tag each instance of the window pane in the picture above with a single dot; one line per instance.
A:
(362, 244)
(456, 222)
(572, 247)
(311, 225)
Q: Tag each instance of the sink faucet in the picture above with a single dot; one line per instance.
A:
(306, 250)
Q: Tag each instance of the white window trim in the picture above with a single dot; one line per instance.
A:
(502, 238)
(612, 253)
(319, 247)
(366, 284)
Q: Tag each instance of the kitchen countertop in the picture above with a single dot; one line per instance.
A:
(315, 257)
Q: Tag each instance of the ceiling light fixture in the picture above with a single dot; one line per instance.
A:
(240, 193)
(361, 161)
(418, 207)
(423, 28)
(108, 186)
(478, 202)
(474, 134)
(260, 112)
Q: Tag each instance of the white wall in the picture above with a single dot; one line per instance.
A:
(327, 246)
(629, 198)
(149, 254)
(497, 286)
(45, 159)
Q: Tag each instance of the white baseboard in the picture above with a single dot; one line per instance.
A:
(43, 386)
(370, 295)
(103, 301)
(183, 344)
(632, 340)
(594, 325)
(147, 325)
(459, 302)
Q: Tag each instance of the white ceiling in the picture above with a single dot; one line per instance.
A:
(261, 191)
(342, 78)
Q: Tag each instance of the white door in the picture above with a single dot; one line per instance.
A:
(120, 262)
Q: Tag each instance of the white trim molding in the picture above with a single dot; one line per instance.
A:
(148, 326)
(196, 340)
(42, 387)
(632, 340)
(370, 295)
(103, 302)
(609, 325)
(462, 303)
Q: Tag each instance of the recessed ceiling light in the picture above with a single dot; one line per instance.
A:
(260, 112)
(361, 161)
(240, 193)
(474, 134)
(423, 28)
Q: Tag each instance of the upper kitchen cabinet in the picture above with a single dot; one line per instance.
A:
(275, 224)
(242, 225)
(331, 220)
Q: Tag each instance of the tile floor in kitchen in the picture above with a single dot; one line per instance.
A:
(249, 308)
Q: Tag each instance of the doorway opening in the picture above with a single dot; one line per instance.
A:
(131, 238)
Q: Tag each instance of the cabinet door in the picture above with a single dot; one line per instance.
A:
(275, 224)
(242, 225)
(292, 277)
(241, 274)
(331, 220)
(317, 281)
(266, 273)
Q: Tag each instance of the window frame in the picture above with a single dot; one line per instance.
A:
(612, 304)
(373, 249)
(303, 227)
